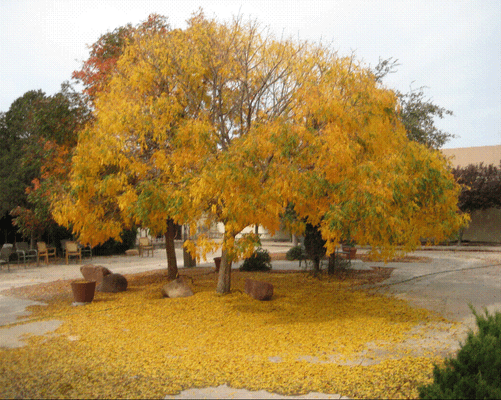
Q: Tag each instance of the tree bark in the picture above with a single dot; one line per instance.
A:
(224, 277)
(332, 264)
(316, 265)
(188, 260)
(172, 272)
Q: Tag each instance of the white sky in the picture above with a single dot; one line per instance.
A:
(452, 47)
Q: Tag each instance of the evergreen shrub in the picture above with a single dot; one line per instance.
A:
(260, 260)
(296, 253)
(475, 373)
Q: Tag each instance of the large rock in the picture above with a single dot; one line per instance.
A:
(177, 288)
(258, 290)
(94, 272)
(113, 283)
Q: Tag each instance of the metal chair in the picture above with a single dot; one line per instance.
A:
(5, 253)
(24, 252)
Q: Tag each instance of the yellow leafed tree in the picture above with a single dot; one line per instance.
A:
(129, 168)
(223, 122)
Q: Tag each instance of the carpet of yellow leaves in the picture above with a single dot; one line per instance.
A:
(315, 335)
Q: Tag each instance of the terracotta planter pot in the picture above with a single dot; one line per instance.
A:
(83, 291)
(217, 261)
(352, 251)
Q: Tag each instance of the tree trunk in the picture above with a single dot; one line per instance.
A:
(170, 249)
(188, 260)
(224, 277)
(332, 264)
(316, 265)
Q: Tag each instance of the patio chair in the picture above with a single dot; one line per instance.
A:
(44, 251)
(72, 250)
(24, 252)
(145, 245)
(5, 253)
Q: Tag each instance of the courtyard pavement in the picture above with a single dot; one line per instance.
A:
(445, 280)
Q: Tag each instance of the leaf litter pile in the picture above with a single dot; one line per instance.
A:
(316, 334)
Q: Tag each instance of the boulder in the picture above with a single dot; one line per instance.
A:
(177, 288)
(258, 290)
(94, 272)
(113, 283)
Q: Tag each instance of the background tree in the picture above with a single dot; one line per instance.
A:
(19, 137)
(416, 112)
(103, 55)
(97, 70)
(39, 132)
(481, 188)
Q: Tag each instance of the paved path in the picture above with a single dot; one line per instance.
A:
(450, 282)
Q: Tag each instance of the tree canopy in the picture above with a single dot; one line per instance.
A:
(224, 123)
(416, 112)
(19, 138)
(37, 132)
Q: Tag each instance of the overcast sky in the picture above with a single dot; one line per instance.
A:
(451, 47)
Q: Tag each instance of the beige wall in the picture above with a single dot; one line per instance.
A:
(485, 226)
(463, 156)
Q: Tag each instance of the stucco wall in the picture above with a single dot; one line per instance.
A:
(485, 226)
(462, 156)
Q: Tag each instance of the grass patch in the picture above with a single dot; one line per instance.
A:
(136, 344)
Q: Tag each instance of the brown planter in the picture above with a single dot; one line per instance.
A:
(352, 251)
(83, 291)
(217, 260)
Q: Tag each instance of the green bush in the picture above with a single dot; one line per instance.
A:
(296, 253)
(260, 260)
(475, 373)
